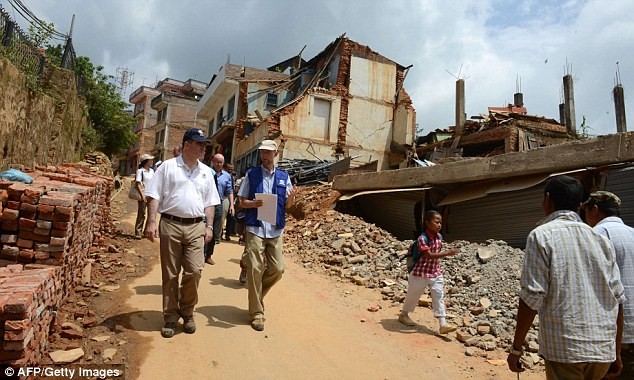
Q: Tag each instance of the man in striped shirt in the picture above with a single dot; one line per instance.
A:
(571, 279)
(602, 211)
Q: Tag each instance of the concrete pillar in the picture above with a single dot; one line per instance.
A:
(460, 106)
(562, 113)
(569, 101)
(518, 99)
(619, 106)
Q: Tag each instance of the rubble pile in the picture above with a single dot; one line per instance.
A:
(47, 229)
(481, 282)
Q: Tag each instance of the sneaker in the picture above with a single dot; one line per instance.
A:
(243, 276)
(406, 320)
(447, 328)
(258, 323)
(167, 331)
(210, 261)
(189, 325)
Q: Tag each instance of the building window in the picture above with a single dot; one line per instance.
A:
(161, 115)
(219, 119)
(210, 128)
(230, 107)
(271, 99)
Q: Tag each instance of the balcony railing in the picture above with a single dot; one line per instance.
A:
(160, 100)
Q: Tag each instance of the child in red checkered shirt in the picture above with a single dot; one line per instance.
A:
(427, 272)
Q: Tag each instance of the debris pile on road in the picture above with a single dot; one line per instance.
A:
(481, 282)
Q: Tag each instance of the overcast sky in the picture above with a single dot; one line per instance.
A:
(490, 43)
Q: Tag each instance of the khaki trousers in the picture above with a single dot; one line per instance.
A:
(140, 219)
(259, 281)
(181, 247)
(576, 371)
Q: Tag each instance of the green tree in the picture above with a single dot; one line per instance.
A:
(112, 124)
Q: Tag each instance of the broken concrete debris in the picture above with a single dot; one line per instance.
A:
(481, 282)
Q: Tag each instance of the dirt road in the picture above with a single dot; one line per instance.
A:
(316, 328)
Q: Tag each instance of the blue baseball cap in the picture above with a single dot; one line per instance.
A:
(195, 134)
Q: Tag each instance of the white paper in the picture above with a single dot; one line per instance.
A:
(268, 211)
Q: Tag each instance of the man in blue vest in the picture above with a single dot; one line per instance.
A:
(264, 240)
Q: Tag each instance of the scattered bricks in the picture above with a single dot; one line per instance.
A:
(24, 243)
(26, 256)
(10, 253)
(28, 207)
(9, 214)
(55, 241)
(44, 224)
(27, 224)
(8, 239)
(13, 205)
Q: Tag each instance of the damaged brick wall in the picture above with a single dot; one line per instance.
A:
(242, 111)
(47, 231)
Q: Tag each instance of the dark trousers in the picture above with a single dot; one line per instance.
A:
(209, 247)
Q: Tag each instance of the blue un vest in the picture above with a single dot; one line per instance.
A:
(256, 185)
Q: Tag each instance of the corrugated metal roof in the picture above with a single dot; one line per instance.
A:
(621, 183)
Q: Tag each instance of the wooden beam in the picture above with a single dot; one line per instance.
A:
(600, 151)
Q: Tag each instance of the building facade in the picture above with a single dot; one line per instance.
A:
(145, 116)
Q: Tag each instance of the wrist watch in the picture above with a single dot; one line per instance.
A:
(513, 351)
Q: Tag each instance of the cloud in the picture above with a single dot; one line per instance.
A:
(493, 41)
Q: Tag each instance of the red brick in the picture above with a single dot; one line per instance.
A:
(8, 239)
(58, 199)
(18, 303)
(24, 243)
(42, 231)
(9, 225)
(10, 253)
(15, 335)
(11, 355)
(62, 217)
(44, 224)
(33, 236)
(21, 324)
(13, 205)
(27, 224)
(33, 192)
(59, 233)
(61, 225)
(9, 214)
(45, 208)
(28, 200)
(28, 207)
(55, 241)
(26, 256)
(39, 255)
(28, 214)
(64, 210)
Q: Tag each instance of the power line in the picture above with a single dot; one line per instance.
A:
(33, 20)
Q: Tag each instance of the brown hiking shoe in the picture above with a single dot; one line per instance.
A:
(189, 325)
(168, 330)
(210, 261)
(406, 320)
(258, 323)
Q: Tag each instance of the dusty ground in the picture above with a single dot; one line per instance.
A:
(315, 328)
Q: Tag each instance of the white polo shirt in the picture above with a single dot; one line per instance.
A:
(181, 192)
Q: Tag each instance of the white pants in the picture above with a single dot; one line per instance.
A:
(415, 288)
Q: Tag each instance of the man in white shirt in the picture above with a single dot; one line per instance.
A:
(182, 192)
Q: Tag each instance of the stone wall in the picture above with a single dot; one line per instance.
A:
(42, 126)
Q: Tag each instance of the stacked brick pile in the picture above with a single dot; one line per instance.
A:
(27, 299)
(46, 231)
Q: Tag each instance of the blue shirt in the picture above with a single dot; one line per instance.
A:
(267, 230)
(225, 184)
